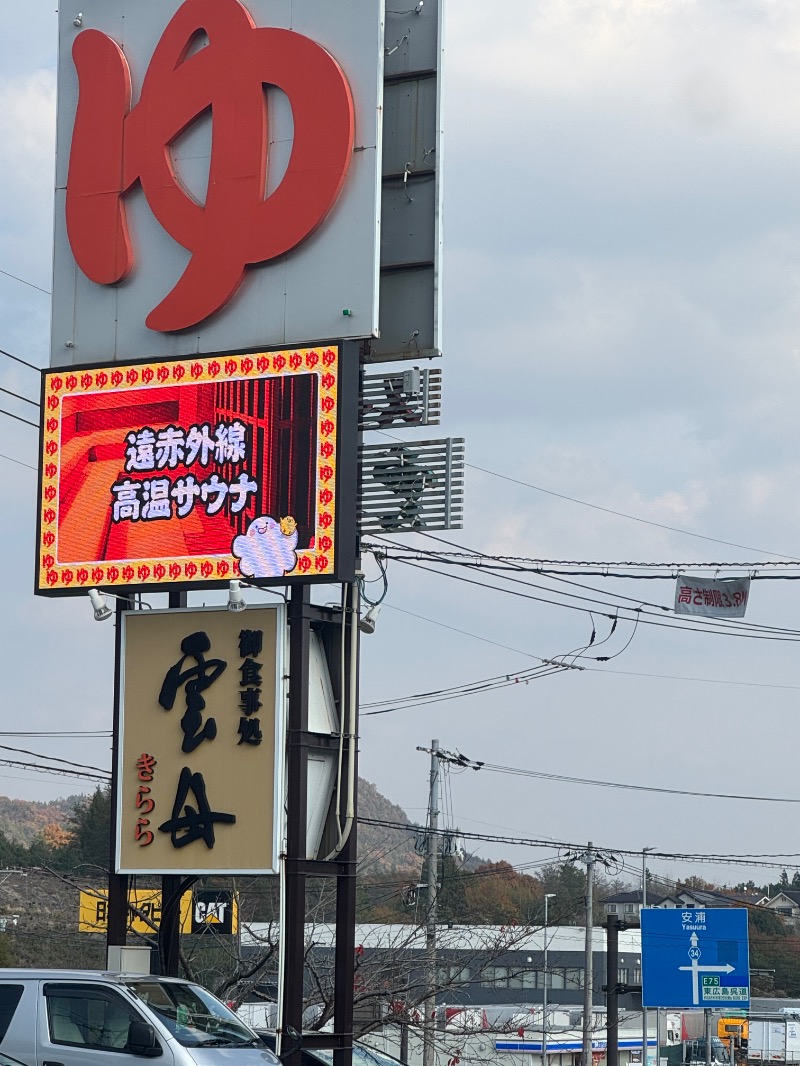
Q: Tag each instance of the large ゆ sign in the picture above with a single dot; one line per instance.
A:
(218, 177)
(114, 146)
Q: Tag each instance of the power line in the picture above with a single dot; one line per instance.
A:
(609, 510)
(457, 691)
(466, 633)
(18, 418)
(753, 859)
(54, 758)
(38, 369)
(59, 771)
(60, 733)
(17, 396)
(601, 598)
(699, 680)
(17, 462)
(568, 779)
(723, 628)
(622, 514)
(656, 571)
(22, 281)
(592, 669)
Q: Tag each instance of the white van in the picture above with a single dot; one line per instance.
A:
(81, 1017)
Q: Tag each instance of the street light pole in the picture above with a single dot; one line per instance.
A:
(547, 896)
(644, 1009)
(588, 859)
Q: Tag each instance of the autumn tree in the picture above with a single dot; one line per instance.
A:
(496, 894)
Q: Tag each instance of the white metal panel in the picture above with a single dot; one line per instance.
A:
(297, 298)
(322, 718)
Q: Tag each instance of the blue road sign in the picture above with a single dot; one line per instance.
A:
(695, 958)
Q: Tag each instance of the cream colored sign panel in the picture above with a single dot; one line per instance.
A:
(201, 741)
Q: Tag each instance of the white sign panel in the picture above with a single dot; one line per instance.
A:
(218, 175)
(712, 598)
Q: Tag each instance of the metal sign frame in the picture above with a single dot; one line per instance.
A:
(685, 947)
(345, 491)
(339, 260)
(279, 693)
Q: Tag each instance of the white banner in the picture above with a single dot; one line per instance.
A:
(712, 598)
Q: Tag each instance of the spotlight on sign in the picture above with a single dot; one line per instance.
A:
(236, 601)
(367, 623)
(101, 609)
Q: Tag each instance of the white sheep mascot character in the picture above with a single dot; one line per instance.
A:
(267, 549)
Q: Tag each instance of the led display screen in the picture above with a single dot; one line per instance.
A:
(196, 471)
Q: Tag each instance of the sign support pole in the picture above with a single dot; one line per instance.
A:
(612, 997)
(117, 932)
(293, 931)
(347, 857)
(169, 952)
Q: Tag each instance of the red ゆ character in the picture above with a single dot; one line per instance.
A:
(114, 146)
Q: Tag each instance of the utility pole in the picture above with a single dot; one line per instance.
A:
(588, 859)
(428, 1049)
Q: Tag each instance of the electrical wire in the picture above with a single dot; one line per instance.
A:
(725, 628)
(694, 680)
(54, 758)
(544, 775)
(458, 691)
(608, 510)
(18, 462)
(496, 571)
(38, 369)
(19, 418)
(22, 281)
(58, 771)
(784, 560)
(591, 669)
(622, 514)
(769, 859)
(17, 396)
(60, 733)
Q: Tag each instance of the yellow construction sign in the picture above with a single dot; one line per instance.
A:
(144, 915)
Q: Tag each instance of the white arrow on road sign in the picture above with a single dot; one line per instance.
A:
(696, 970)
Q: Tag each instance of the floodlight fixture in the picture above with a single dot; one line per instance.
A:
(236, 601)
(102, 611)
(367, 623)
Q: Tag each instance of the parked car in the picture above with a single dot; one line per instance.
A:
(363, 1055)
(85, 1017)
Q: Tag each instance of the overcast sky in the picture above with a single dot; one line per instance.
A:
(622, 325)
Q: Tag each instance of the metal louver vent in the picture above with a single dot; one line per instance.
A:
(418, 485)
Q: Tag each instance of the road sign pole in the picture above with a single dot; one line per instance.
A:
(612, 1001)
(695, 958)
(709, 1056)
